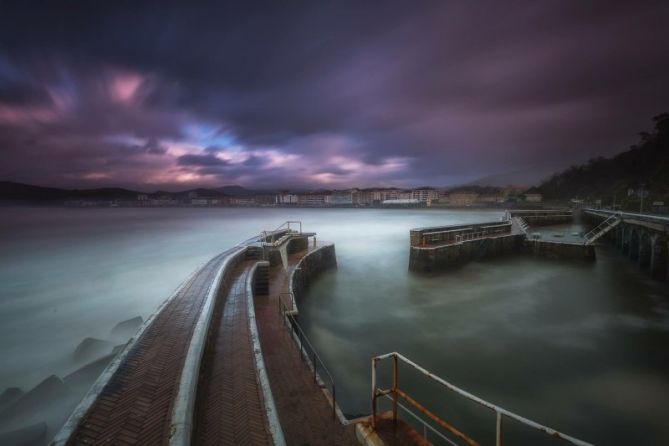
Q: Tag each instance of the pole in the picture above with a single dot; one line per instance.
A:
(395, 389)
(374, 392)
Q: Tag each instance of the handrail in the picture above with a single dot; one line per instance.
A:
(302, 340)
(602, 228)
(499, 411)
(426, 426)
(263, 235)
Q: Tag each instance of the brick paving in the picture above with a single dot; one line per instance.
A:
(229, 408)
(135, 406)
(304, 412)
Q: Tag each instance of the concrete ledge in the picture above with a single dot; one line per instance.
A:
(184, 404)
(261, 373)
(439, 258)
(366, 435)
(312, 264)
(559, 250)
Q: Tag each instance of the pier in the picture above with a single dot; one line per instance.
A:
(643, 238)
(225, 361)
(443, 247)
(215, 364)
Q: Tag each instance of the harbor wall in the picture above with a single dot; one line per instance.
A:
(559, 250)
(311, 265)
(429, 259)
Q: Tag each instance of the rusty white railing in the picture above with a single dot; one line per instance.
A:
(394, 392)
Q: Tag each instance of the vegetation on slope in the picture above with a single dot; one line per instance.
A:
(623, 179)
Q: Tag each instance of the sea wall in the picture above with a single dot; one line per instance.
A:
(310, 266)
(547, 220)
(559, 250)
(439, 258)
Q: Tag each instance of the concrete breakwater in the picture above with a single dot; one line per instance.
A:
(311, 265)
(442, 247)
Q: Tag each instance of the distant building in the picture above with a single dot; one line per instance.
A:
(339, 198)
(265, 199)
(533, 198)
(199, 202)
(425, 194)
(463, 198)
(286, 198)
(311, 199)
(243, 201)
(403, 202)
(490, 200)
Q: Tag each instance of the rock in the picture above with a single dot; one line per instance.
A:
(118, 349)
(84, 377)
(91, 348)
(44, 394)
(124, 330)
(10, 395)
(25, 436)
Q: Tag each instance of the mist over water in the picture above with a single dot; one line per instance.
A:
(581, 347)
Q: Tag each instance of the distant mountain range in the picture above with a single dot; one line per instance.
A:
(641, 170)
(18, 192)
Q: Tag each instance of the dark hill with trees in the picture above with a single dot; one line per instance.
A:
(623, 179)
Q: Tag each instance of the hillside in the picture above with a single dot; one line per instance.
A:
(12, 192)
(620, 179)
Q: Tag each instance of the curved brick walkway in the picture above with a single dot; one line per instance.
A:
(135, 407)
(305, 413)
(229, 408)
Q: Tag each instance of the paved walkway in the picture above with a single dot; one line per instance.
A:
(229, 408)
(304, 412)
(135, 407)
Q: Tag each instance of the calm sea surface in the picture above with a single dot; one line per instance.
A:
(582, 347)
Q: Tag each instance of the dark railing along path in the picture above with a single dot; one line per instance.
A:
(305, 414)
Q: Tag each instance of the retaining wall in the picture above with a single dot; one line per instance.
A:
(310, 266)
(444, 257)
(559, 250)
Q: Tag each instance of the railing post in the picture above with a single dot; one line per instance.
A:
(498, 430)
(299, 337)
(334, 402)
(314, 360)
(395, 389)
(374, 392)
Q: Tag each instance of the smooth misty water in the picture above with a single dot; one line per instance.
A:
(581, 347)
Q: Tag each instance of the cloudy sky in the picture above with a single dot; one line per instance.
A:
(322, 94)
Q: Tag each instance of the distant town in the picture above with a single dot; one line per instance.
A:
(373, 197)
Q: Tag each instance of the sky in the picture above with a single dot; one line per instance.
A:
(309, 94)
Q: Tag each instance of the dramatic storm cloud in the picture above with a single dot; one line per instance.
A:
(317, 94)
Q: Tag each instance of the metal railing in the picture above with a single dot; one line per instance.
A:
(308, 353)
(602, 228)
(459, 238)
(394, 392)
(427, 427)
(286, 224)
(522, 224)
